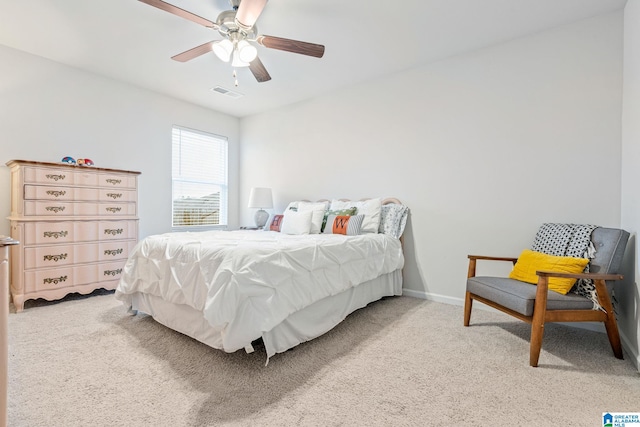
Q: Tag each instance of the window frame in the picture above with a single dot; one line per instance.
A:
(222, 185)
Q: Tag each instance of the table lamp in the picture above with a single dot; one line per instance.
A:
(261, 198)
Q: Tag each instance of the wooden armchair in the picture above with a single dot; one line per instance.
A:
(537, 305)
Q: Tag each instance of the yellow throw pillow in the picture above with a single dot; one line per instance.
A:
(529, 262)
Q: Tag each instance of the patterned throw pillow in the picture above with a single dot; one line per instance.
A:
(349, 225)
(393, 218)
(276, 223)
(348, 212)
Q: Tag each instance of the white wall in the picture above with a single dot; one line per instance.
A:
(48, 111)
(482, 147)
(628, 292)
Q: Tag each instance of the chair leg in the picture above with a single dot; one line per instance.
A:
(537, 332)
(468, 302)
(537, 321)
(610, 324)
(614, 336)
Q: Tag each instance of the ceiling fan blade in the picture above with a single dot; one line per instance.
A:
(258, 70)
(193, 53)
(249, 11)
(295, 46)
(180, 12)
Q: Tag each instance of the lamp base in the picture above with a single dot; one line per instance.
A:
(261, 218)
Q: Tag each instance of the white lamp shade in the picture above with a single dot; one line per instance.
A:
(236, 61)
(223, 49)
(261, 198)
(246, 52)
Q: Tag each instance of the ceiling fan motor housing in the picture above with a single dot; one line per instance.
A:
(227, 25)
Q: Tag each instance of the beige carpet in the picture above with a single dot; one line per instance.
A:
(399, 362)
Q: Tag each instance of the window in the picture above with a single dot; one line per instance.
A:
(199, 178)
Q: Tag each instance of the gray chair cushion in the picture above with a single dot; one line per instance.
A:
(520, 296)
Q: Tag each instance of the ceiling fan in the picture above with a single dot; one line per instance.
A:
(238, 29)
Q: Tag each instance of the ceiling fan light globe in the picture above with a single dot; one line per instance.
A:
(246, 52)
(223, 49)
(236, 61)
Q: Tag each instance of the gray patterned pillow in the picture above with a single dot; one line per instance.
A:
(393, 219)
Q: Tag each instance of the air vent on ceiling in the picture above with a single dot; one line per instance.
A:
(227, 92)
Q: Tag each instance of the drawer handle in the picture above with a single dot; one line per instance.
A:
(114, 195)
(114, 181)
(113, 252)
(56, 177)
(56, 193)
(55, 234)
(113, 231)
(55, 209)
(55, 258)
(55, 280)
(112, 272)
(113, 210)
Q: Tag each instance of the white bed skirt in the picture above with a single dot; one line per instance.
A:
(301, 326)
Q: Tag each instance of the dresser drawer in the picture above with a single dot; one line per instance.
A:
(47, 176)
(110, 271)
(54, 278)
(117, 195)
(117, 209)
(48, 256)
(60, 255)
(55, 208)
(48, 232)
(116, 181)
(60, 232)
(44, 192)
(112, 230)
(109, 251)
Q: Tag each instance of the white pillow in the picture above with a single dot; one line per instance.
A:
(369, 208)
(296, 222)
(318, 209)
(292, 206)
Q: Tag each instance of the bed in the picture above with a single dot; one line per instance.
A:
(285, 285)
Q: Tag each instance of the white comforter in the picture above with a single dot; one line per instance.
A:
(247, 282)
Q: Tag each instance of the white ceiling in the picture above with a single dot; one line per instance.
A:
(133, 42)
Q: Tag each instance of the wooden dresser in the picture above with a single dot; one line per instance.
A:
(76, 226)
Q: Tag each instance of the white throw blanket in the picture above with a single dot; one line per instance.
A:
(247, 282)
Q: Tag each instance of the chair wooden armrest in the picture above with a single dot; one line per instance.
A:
(492, 258)
(473, 258)
(592, 276)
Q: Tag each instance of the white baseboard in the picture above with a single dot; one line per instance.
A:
(591, 326)
(433, 297)
(632, 352)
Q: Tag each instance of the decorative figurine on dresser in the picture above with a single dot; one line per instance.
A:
(76, 225)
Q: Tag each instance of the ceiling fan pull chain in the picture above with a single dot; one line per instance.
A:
(235, 77)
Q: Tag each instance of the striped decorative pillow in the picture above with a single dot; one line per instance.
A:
(344, 224)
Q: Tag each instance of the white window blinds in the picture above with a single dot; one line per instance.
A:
(199, 178)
